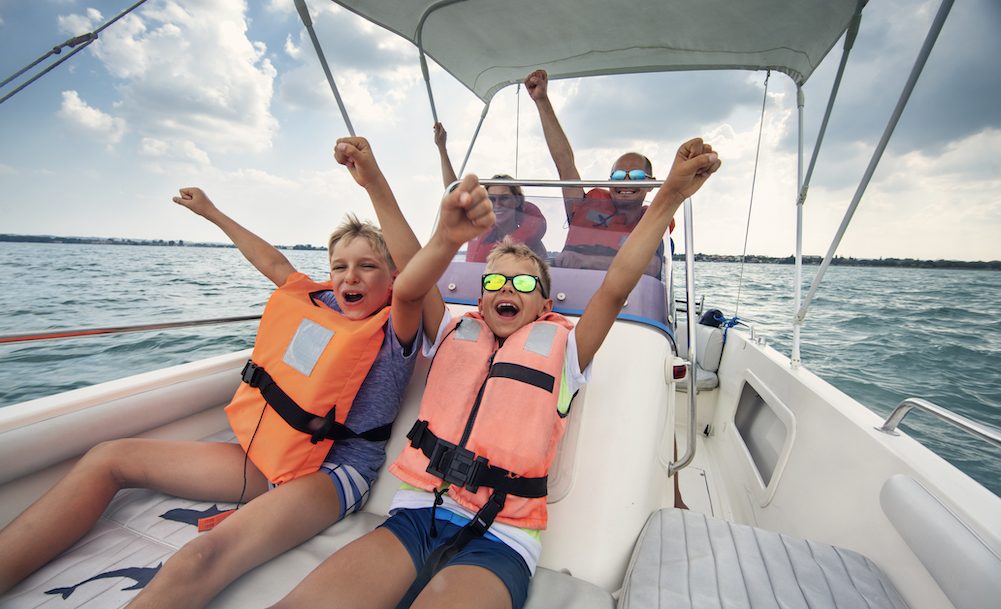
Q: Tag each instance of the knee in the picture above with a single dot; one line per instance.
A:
(107, 460)
(197, 558)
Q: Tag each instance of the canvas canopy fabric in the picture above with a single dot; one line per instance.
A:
(488, 44)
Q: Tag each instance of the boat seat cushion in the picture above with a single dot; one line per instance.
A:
(704, 380)
(685, 559)
(134, 536)
(708, 345)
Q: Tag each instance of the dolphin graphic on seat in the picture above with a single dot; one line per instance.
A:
(141, 575)
(189, 516)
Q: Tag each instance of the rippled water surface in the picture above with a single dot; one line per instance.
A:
(878, 334)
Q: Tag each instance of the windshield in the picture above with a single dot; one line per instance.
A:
(578, 238)
(567, 233)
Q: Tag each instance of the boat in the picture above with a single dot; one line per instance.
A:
(797, 495)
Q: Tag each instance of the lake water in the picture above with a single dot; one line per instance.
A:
(878, 334)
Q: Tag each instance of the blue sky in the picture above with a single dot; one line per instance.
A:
(228, 95)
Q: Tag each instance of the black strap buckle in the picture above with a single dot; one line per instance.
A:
(456, 465)
(251, 374)
(321, 426)
(485, 517)
(416, 433)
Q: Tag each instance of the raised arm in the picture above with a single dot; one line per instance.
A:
(693, 164)
(465, 213)
(265, 258)
(355, 153)
(537, 85)
(447, 172)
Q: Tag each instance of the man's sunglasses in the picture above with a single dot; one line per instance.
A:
(632, 174)
(526, 284)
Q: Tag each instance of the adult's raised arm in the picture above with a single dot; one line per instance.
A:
(537, 86)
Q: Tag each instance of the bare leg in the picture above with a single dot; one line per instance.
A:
(197, 470)
(463, 586)
(678, 501)
(373, 571)
(264, 528)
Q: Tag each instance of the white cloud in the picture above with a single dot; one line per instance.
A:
(173, 156)
(190, 72)
(7, 170)
(79, 24)
(89, 120)
(291, 49)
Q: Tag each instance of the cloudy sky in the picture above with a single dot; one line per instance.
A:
(228, 95)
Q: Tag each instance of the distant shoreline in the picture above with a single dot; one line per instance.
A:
(122, 241)
(993, 265)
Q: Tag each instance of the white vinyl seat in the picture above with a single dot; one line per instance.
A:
(132, 538)
(708, 352)
(686, 560)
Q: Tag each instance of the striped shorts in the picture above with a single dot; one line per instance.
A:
(352, 487)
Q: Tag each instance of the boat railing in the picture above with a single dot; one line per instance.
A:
(80, 332)
(984, 432)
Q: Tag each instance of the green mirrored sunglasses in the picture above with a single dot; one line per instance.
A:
(493, 282)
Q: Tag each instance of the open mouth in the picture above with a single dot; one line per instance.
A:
(626, 192)
(506, 310)
(353, 297)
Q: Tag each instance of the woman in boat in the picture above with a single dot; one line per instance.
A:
(286, 502)
(520, 219)
(464, 527)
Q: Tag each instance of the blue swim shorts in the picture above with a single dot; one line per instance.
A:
(413, 529)
(352, 488)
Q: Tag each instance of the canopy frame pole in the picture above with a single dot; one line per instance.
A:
(424, 62)
(307, 21)
(472, 142)
(78, 43)
(804, 181)
(794, 357)
(919, 64)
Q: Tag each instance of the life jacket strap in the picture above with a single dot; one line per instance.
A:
(441, 555)
(318, 428)
(462, 467)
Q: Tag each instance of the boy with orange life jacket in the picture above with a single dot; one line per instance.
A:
(313, 414)
(464, 528)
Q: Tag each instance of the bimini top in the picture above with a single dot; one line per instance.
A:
(488, 44)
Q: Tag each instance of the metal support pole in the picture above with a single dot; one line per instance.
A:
(420, 49)
(78, 42)
(307, 21)
(797, 324)
(674, 467)
(483, 115)
(919, 64)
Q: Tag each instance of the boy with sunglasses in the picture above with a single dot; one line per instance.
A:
(464, 528)
(599, 220)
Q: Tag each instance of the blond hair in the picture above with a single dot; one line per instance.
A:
(353, 228)
(509, 247)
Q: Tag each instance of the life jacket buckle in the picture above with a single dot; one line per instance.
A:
(456, 465)
(251, 374)
(321, 426)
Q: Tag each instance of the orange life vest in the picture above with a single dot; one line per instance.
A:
(597, 226)
(307, 366)
(489, 420)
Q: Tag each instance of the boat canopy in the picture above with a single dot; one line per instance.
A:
(487, 45)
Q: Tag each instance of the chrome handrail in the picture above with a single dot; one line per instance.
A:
(985, 432)
(686, 458)
(23, 338)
